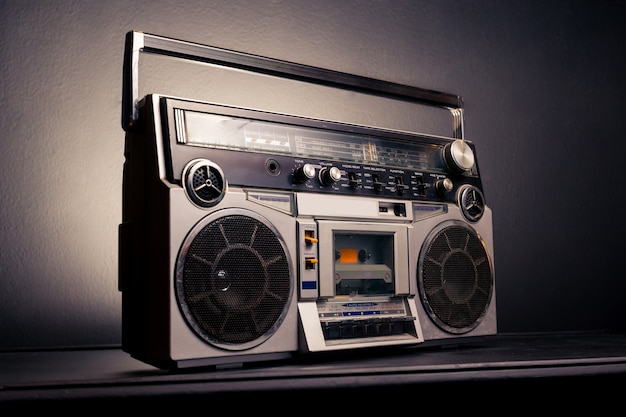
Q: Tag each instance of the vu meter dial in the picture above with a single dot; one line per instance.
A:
(459, 156)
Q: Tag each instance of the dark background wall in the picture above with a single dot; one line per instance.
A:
(543, 84)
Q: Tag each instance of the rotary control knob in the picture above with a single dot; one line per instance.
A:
(459, 156)
(329, 176)
(444, 186)
(304, 173)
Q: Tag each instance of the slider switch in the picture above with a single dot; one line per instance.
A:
(352, 181)
(400, 187)
(378, 186)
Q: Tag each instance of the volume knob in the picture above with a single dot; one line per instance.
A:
(459, 156)
(329, 176)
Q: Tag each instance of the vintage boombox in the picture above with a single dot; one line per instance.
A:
(251, 235)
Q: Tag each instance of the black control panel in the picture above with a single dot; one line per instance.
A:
(280, 152)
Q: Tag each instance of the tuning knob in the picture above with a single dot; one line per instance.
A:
(304, 173)
(459, 156)
(329, 176)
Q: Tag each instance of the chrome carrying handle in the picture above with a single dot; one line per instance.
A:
(137, 42)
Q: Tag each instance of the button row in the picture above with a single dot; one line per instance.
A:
(367, 328)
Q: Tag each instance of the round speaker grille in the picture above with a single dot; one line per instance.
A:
(204, 182)
(233, 279)
(472, 203)
(455, 277)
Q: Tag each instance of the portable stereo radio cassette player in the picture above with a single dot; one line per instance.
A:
(251, 235)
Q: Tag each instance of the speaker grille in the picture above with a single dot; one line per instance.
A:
(204, 182)
(234, 281)
(455, 277)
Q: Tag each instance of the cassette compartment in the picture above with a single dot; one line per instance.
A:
(365, 295)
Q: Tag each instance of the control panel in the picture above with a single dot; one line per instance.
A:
(296, 154)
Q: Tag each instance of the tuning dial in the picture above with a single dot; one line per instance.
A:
(304, 173)
(329, 176)
(459, 156)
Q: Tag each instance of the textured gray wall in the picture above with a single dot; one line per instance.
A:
(543, 83)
